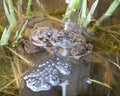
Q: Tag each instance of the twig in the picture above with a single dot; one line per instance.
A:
(100, 83)
(117, 65)
(20, 56)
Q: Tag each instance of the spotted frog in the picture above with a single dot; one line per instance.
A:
(69, 42)
(47, 74)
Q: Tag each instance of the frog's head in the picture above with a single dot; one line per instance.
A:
(41, 37)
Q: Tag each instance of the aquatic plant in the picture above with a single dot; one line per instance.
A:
(9, 11)
(84, 16)
(110, 11)
(10, 14)
(28, 10)
(90, 81)
(19, 34)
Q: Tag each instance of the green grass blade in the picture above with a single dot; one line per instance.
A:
(3, 41)
(22, 29)
(7, 12)
(100, 83)
(90, 14)
(110, 11)
(1, 28)
(42, 9)
(6, 35)
(19, 34)
(12, 20)
(11, 9)
(20, 10)
(72, 6)
(83, 9)
(28, 11)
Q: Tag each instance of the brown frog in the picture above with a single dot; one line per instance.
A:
(69, 42)
(79, 47)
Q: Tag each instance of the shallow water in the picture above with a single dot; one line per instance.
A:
(95, 70)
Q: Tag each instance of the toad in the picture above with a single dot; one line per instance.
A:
(69, 42)
(47, 74)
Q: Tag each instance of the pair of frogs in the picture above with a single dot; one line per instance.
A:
(69, 42)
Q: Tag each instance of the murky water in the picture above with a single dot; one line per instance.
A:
(100, 63)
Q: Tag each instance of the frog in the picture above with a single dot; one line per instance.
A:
(47, 74)
(69, 42)
(80, 48)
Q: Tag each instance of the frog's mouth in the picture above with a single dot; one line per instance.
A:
(39, 43)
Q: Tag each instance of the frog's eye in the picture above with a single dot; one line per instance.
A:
(74, 52)
(49, 35)
(59, 36)
(40, 37)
